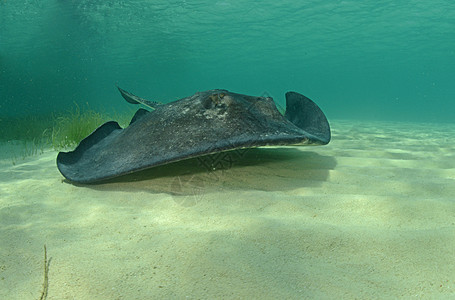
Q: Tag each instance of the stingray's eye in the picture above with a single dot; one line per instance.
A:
(221, 96)
(210, 101)
(214, 100)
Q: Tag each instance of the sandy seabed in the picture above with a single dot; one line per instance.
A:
(371, 215)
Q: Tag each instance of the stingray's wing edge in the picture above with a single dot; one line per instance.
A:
(65, 159)
(307, 115)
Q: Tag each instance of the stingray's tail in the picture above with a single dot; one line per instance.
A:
(137, 100)
(305, 114)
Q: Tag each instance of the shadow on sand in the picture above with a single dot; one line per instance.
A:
(266, 169)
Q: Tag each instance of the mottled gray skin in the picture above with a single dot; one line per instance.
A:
(205, 123)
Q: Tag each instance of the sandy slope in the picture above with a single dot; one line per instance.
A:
(372, 215)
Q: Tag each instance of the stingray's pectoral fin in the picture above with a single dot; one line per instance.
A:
(305, 114)
(130, 98)
(74, 164)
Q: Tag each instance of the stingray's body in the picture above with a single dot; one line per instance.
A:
(207, 122)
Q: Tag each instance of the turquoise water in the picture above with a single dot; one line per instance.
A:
(368, 216)
(384, 60)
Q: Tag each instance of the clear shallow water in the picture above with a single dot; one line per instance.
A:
(371, 60)
(370, 214)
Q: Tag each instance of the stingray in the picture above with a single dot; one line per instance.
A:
(205, 123)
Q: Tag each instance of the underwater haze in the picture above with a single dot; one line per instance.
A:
(373, 60)
(368, 216)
